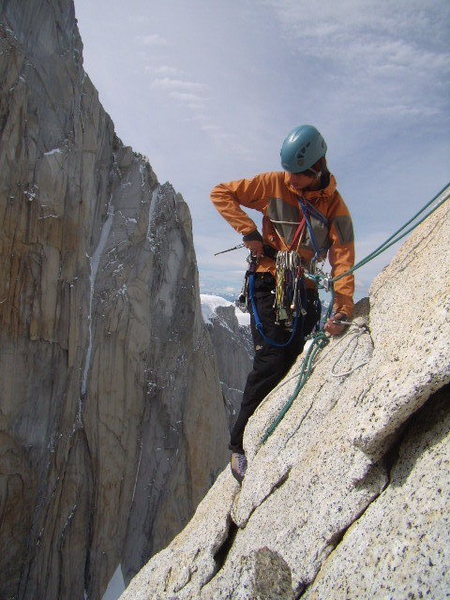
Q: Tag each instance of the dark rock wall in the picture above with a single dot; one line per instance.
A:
(112, 425)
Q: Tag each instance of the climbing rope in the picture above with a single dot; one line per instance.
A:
(354, 334)
(358, 331)
(320, 340)
(398, 235)
(258, 323)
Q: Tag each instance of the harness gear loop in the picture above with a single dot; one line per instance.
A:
(258, 323)
(287, 302)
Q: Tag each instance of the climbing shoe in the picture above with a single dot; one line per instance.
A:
(238, 465)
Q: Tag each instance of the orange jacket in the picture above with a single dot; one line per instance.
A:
(271, 194)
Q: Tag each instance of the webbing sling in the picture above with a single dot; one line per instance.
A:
(308, 211)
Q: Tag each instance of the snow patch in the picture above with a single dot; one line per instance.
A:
(54, 151)
(94, 262)
(210, 303)
(243, 318)
(209, 306)
(151, 216)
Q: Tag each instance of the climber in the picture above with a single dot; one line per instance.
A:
(303, 213)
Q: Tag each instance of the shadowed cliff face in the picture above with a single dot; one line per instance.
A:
(112, 425)
(233, 348)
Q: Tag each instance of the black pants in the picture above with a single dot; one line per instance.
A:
(271, 363)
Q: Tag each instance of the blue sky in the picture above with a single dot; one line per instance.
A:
(208, 89)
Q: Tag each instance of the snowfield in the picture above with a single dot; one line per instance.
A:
(209, 307)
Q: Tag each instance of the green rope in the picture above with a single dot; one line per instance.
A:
(320, 340)
(393, 239)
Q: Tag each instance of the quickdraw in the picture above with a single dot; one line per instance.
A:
(290, 296)
(289, 273)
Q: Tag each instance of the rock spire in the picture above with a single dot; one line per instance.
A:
(112, 423)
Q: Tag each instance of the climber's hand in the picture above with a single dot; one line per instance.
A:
(335, 328)
(255, 247)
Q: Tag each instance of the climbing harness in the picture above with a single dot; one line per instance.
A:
(320, 340)
(290, 293)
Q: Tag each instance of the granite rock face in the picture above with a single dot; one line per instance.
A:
(112, 423)
(348, 498)
(233, 346)
(400, 545)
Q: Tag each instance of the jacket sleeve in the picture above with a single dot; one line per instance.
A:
(229, 197)
(342, 255)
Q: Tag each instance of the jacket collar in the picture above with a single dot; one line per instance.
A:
(315, 195)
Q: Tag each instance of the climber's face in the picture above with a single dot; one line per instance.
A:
(301, 181)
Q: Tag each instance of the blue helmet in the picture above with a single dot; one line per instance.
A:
(302, 148)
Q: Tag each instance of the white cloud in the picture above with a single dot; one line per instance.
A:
(373, 76)
(164, 70)
(209, 127)
(170, 84)
(377, 52)
(192, 101)
(153, 39)
(191, 94)
(194, 96)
